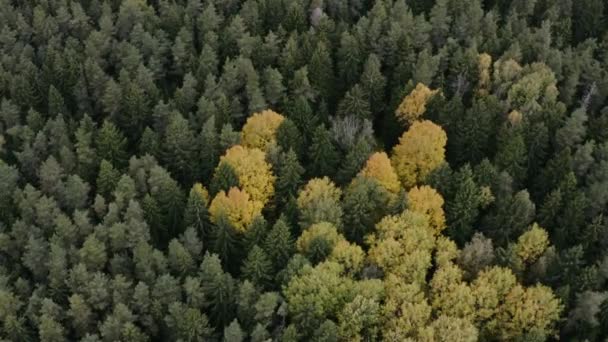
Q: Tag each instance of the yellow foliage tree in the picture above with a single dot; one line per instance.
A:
(379, 167)
(450, 295)
(406, 309)
(403, 245)
(349, 255)
(324, 230)
(260, 128)
(427, 201)
(237, 206)
(534, 309)
(199, 190)
(414, 104)
(254, 173)
(449, 329)
(490, 288)
(532, 244)
(420, 150)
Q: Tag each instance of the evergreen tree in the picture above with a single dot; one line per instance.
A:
(257, 267)
(112, 144)
(322, 154)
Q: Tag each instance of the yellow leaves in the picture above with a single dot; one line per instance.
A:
(316, 189)
(323, 230)
(421, 150)
(414, 105)
(403, 246)
(427, 201)
(237, 206)
(379, 167)
(349, 255)
(528, 309)
(255, 175)
(260, 128)
(515, 117)
(449, 329)
(450, 295)
(199, 190)
(490, 288)
(532, 244)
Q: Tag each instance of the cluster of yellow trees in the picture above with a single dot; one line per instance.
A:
(408, 248)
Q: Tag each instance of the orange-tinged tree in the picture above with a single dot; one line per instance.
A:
(421, 149)
(379, 167)
(237, 206)
(414, 104)
(254, 173)
(427, 201)
(260, 129)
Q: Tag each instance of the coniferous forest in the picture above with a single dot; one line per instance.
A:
(304, 170)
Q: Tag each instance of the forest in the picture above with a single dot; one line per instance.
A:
(304, 170)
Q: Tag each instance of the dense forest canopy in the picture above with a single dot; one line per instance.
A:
(303, 170)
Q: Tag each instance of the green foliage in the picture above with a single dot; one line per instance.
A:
(321, 223)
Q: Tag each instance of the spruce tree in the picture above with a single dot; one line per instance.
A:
(257, 267)
(323, 155)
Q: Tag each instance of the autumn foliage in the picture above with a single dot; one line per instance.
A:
(260, 129)
(413, 105)
(421, 150)
(379, 167)
(254, 174)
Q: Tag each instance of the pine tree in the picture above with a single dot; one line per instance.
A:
(279, 244)
(196, 214)
(112, 144)
(373, 83)
(179, 148)
(257, 267)
(107, 178)
(322, 154)
(289, 137)
(354, 161)
(321, 73)
(355, 103)
(224, 240)
(289, 177)
(208, 151)
(223, 179)
(219, 290)
(365, 203)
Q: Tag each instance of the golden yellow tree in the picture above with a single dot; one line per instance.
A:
(406, 309)
(427, 201)
(414, 104)
(450, 295)
(403, 245)
(525, 310)
(254, 173)
(421, 149)
(237, 206)
(532, 244)
(200, 192)
(260, 129)
(379, 167)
